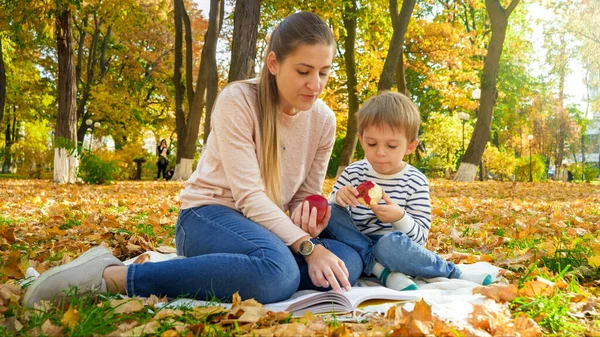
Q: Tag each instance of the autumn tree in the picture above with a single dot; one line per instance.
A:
(188, 124)
(125, 69)
(499, 21)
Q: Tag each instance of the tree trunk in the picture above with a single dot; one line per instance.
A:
(386, 81)
(2, 84)
(213, 74)
(10, 136)
(243, 49)
(499, 20)
(188, 128)
(347, 152)
(65, 152)
(92, 61)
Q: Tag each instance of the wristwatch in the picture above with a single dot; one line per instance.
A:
(307, 246)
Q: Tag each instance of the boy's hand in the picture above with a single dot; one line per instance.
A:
(390, 212)
(347, 195)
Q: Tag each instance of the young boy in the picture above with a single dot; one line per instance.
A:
(389, 236)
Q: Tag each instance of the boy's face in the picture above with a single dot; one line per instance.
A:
(385, 148)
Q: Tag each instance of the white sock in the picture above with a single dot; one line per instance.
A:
(393, 280)
(483, 279)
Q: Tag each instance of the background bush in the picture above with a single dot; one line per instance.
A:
(538, 168)
(590, 171)
(501, 163)
(98, 168)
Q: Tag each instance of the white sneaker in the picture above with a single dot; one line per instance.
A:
(85, 273)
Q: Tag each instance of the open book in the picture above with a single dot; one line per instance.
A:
(328, 302)
(321, 302)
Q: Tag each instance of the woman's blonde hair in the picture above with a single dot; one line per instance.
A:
(299, 28)
(392, 109)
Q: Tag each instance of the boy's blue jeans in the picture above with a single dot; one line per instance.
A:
(226, 252)
(395, 251)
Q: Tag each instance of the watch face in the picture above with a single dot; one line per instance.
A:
(306, 247)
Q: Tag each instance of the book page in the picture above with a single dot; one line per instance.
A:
(323, 302)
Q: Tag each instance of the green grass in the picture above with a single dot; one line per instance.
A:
(551, 313)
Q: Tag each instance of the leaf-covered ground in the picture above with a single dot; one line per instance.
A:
(544, 234)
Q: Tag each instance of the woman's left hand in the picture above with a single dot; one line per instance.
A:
(306, 218)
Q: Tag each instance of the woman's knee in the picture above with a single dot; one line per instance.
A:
(280, 283)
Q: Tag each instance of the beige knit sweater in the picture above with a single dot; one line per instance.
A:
(228, 173)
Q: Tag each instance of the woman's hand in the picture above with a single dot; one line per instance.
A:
(390, 212)
(346, 195)
(306, 218)
(325, 269)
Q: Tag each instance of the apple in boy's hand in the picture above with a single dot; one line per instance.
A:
(316, 200)
(369, 193)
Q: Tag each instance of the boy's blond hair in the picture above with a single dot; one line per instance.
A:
(392, 109)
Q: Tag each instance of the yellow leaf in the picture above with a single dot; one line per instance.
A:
(539, 287)
(70, 317)
(594, 261)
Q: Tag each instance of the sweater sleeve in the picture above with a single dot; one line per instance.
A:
(313, 184)
(417, 217)
(233, 125)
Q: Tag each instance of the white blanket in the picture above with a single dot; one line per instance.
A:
(450, 299)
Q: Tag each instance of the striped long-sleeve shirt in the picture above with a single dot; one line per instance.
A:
(408, 188)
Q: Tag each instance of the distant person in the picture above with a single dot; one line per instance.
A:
(564, 174)
(170, 174)
(162, 151)
(390, 236)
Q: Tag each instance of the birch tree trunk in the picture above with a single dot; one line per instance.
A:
(65, 136)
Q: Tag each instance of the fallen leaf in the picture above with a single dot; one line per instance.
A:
(51, 330)
(70, 317)
(126, 305)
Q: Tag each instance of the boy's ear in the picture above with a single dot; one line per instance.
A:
(360, 140)
(412, 147)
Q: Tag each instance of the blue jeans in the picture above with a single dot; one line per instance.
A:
(395, 251)
(226, 252)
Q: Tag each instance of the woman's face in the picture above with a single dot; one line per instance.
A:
(301, 76)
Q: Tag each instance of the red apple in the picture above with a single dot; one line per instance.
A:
(369, 193)
(316, 200)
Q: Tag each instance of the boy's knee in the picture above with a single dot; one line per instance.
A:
(390, 243)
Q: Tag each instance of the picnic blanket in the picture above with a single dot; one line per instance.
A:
(450, 299)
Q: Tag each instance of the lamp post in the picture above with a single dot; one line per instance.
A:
(476, 95)
(464, 117)
(92, 125)
(530, 138)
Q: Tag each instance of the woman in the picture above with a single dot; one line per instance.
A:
(269, 146)
(162, 151)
